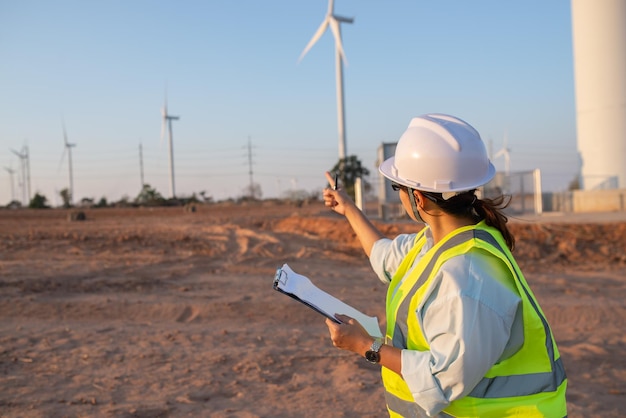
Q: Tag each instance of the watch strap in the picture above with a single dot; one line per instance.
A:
(372, 355)
(378, 342)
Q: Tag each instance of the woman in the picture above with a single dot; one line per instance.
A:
(465, 336)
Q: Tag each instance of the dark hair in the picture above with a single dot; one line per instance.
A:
(490, 210)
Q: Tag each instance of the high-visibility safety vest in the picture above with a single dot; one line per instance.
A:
(529, 383)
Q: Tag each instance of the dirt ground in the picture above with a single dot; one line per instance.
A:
(167, 313)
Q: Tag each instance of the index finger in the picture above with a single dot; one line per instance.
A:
(330, 323)
(330, 179)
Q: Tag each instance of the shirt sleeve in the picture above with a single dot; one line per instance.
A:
(387, 254)
(466, 319)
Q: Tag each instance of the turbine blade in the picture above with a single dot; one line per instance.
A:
(334, 27)
(318, 34)
(64, 134)
(344, 19)
(331, 7)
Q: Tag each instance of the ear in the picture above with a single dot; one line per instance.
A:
(419, 198)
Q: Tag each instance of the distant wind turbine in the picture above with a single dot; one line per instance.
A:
(167, 122)
(11, 172)
(25, 173)
(505, 152)
(334, 21)
(68, 148)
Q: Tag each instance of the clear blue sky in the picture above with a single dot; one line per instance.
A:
(231, 71)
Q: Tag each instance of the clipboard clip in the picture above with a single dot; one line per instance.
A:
(280, 278)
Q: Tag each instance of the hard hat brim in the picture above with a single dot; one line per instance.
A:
(389, 170)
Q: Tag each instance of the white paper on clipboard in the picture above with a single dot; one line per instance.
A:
(303, 290)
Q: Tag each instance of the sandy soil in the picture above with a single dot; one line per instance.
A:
(166, 313)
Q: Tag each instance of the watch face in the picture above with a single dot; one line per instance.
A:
(372, 356)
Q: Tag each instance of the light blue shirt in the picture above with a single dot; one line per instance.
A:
(468, 317)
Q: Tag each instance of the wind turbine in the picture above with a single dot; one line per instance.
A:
(68, 148)
(11, 172)
(334, 22)
(505, 152)
(167, 120)
(25, 173)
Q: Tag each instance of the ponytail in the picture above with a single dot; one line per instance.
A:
(491, 211)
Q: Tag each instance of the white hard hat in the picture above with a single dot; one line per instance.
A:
(439, 153)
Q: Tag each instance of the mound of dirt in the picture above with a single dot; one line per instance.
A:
(539, 245)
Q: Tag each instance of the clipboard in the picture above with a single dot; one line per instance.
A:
(300, 288)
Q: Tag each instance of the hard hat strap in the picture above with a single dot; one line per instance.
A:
(413, 201)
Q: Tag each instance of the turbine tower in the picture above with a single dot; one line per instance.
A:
(167, 121)
(334, 22)
(599, 40)
(68, 149)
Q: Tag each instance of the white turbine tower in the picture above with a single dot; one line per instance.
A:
(68, 148)
(599, 40)
(167, 121)
(334, 22)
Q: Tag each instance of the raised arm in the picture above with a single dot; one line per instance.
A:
(338, 200)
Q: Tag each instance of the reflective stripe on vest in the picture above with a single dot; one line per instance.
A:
(499, 386)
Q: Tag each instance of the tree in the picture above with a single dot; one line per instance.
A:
(102, 203)
(38, 201)
(149, 196)
(348, 170)
(65, 196)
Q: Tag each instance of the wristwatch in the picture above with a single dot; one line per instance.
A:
(373, 354)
